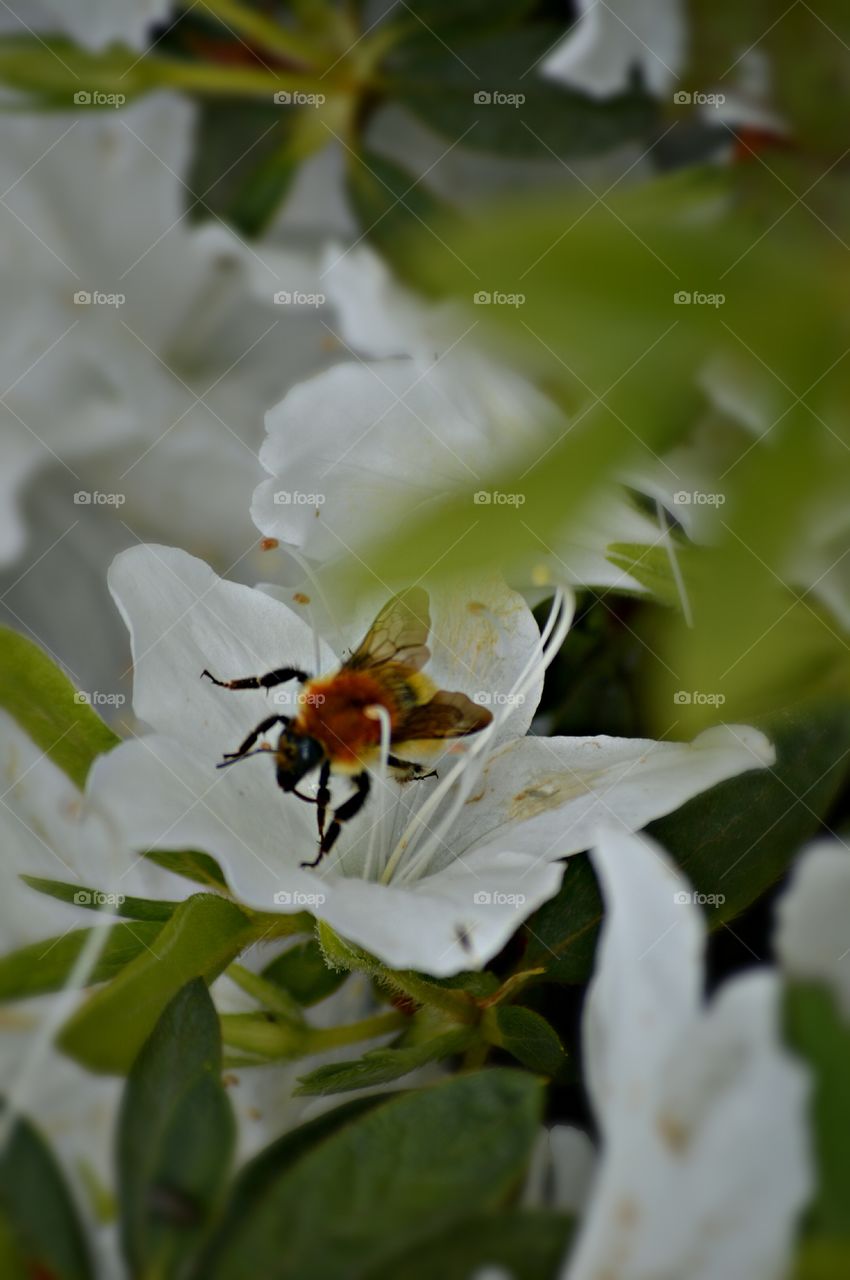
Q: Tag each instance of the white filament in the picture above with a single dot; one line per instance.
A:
(378, 712)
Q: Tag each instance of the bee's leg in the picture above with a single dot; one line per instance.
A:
(231, 757)
(267, 681)
(323, 799)
(344, 813)
(410, 771)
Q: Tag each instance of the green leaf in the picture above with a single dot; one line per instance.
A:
(525, 1244)
(822, 1259)
(436, 20)
(380, 1066)
(732, 841)
(38, 1211)
(176, 1136)
(650, 566)
(43, 967)
(301, 970)
(528, 1037)
(535, 118)
(45, 704)
(94, 900)
(200, 940)
(816, 1030)
(201, 868)
(389, 204)
(396, 1176)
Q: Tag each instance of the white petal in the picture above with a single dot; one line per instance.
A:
(813, 926)
(612, 38)
(92, 23)
(548, 795)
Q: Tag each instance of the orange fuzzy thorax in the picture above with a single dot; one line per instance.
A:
(334, 712)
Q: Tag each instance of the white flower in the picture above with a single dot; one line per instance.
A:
(613, 38)
(138, 356)
(452, 866)
(92, 23)
(426, 414)
(813, 928)
(704, 1163)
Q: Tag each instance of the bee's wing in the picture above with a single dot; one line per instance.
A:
(447, 715)
(398, 634)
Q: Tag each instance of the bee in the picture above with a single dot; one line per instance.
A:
(337, 730)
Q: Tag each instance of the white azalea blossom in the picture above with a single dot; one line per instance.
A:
(92, 23)
(423, 412)
(704, 1165)
(435, 875)
(614, 38)
(138, 356)
(813, 925)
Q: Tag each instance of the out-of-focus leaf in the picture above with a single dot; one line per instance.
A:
(408, 1169)
(822, 1259)
(486, 89)
(301, 970)
(389, 204)
(201, 868)
(650, 566)
(817, 1032)
(95, 900)
(43, 967)
(175, 1138)
(732, 842)
(526, 1244)
(45, 704)
(202, 937)
(527, 1037)
(433, 20)
(380, 1066)
(38, 1212)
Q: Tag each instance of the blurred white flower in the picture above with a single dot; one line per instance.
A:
(813, 919)
(434, 875)
(138, 354)
(423, 412)
(704, 1165)
(614, 38)
(92, 23)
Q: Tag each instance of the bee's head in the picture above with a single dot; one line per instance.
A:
(296, 755)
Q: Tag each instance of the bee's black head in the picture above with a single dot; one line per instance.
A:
(296, 755)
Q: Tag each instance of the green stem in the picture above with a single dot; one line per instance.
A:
(269, 994)
(268, 35)
(205, 77)
(267, 1036)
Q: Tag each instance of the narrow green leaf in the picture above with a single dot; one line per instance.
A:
(527, 1037)
(202, 937)
(381, 1066)
(176, 1137)
(94, 900)
(301, 970)
(201, 868)
(38, 1210)
(398, 1175)
(45, 704)
(43, 967)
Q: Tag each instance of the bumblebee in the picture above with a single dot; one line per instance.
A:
(338, 725)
